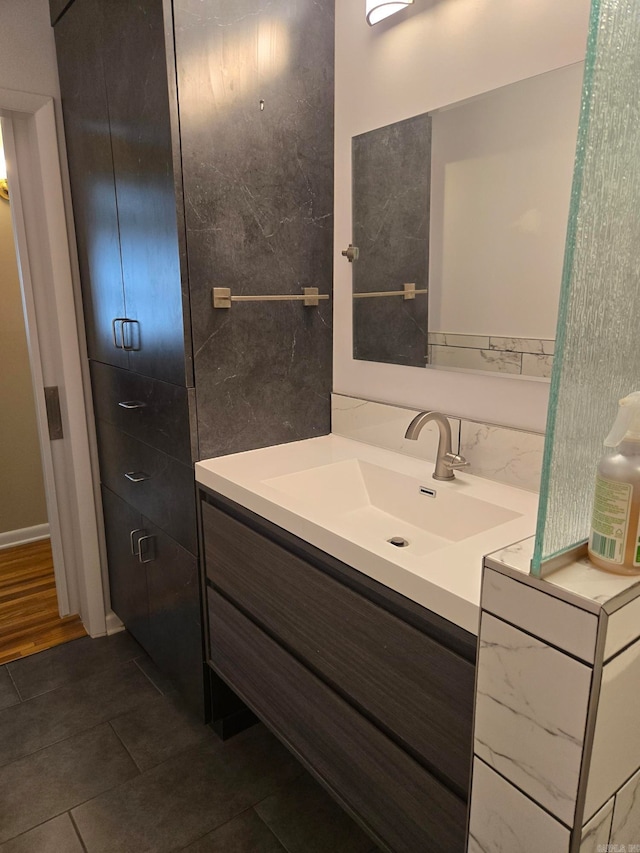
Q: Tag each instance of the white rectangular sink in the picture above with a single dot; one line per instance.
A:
(351, 499)
(382, 504)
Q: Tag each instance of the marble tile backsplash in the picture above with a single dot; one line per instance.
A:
(557, 622)
(384, 425)
(506, 455)
(623, 628)
(625, 829)
(583, 584)
(528, 733)
(556, 713)
(504, 820)
(509, 456)
(595, 833)
(616, 742)
(495, 353)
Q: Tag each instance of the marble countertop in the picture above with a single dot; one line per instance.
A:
(579, 582)
(446, 580)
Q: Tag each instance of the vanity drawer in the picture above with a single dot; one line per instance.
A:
(410, 685)
(164, 491)
(153, 411)
(400, 802)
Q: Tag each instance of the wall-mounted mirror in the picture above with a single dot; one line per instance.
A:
(460, 218)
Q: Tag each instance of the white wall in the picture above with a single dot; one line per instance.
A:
(431, 55)
(22, 495)
(501, 174)
(28, 55)
(28, 64)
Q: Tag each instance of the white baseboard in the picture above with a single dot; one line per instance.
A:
(22, 537)
(114, 625)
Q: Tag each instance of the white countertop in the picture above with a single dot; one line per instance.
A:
(445, 580)
(579, 581)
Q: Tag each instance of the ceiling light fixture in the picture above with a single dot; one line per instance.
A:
(377, 10)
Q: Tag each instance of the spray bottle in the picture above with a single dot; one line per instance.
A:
(614, 543)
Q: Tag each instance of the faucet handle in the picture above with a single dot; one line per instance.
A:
(455, 460)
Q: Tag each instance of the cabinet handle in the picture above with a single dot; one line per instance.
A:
(132, 404)
(135, 547)
(137, 476)
(131, 347)
(140, 557)
(114, 323)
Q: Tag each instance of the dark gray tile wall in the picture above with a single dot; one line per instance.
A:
(391, 189)
(255, 87)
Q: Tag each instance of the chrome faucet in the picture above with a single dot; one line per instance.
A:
(446, 460)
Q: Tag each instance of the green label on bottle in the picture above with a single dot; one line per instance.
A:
(636, 561)
(611, 506)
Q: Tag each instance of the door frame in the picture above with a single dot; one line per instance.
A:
(43, 248)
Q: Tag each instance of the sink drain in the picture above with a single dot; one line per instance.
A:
(398, 541)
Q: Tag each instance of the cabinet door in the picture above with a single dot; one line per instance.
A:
(86, 122)
(138, 97)
(127, 574)
(174, 613)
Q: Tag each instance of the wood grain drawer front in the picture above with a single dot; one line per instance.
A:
(393, 795)
(156, 484)
(150, 410)
(411, 685)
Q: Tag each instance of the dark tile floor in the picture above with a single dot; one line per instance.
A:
(97, 754)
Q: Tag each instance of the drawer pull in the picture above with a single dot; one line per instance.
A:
(132, 404)
(135, 546)
(120, 320)
(149, 554)
(134, 336)
(137, 476)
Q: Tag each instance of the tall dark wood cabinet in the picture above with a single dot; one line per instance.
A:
(196, 161)
(120, 124)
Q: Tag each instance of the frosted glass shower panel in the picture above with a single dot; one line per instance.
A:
(598, 342)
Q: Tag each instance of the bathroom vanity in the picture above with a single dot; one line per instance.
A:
(311, 624)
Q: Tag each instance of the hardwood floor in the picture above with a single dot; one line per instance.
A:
(29, 619)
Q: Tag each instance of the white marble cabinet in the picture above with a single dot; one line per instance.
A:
(525, 731)
(557, 722)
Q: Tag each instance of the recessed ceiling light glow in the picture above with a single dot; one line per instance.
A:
(377, 10)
